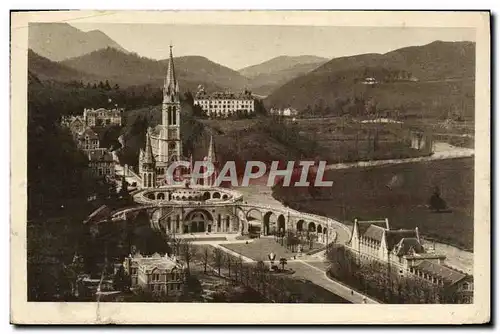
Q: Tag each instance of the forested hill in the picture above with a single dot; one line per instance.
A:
(430, 79)
(130, 69)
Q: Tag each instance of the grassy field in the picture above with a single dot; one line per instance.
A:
(401, 193)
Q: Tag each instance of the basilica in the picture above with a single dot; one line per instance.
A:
(163, 142)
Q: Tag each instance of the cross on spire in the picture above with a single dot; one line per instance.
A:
(171, 87)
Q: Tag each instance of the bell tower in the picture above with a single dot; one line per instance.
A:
(170, 146)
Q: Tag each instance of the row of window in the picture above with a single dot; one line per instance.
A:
(242, 102)
(163, 287)
(104, 171)
(174, 276)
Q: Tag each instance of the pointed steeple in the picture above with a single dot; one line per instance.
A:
(211, 150)
(171, 86)
(148, 150)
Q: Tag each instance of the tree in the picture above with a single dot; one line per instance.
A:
(283, 262)
(218, 257)
(239, 268)
(187, 252)
(175, 244)
(206, 254)
(121, 281)
(229, 261)
(436, 203)
(107, 86)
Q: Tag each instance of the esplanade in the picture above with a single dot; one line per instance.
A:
(204, 210)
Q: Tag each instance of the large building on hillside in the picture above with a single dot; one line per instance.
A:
(87, 139)
(103, 117)
(160, 275)
(93, 118)
(101, 162)
(404, 252)
(225, 104)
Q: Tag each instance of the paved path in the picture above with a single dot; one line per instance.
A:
(313, 269)
(318, 276)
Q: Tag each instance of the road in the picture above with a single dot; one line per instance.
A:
(315, 271)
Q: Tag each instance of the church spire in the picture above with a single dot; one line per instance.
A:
(148, 154)
(211, 150)
(171, 86)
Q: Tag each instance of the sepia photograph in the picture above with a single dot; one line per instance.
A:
(191, 164)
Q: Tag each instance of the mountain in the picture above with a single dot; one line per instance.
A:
(59, 41)
(41, 69)
(128, 69)
(269, 75)
(432, 78)
(279, 64)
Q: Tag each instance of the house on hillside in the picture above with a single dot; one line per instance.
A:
(160, 275)
(403, 251)
(88, 139)
(101, 163)
(286, 112)
(369, 81)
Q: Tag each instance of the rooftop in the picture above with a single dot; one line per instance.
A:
(224, 96)
(88, 132)
(156, 261)
(447, 274)
(100, 155)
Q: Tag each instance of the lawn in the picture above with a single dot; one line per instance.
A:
(260, 248)
(401, 193)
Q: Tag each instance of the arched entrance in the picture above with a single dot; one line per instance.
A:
(198, 221)
(267, 222)
(300, 225)
(311, 227)
(319, 229)
(254, 214)
(281, 224)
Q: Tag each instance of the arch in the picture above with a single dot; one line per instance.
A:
(300, 225)
(254, 214)
(267, 222)
(183, 198)
(169, 224)
(281, 224)
(311, 227)
(206, 195)
(216, 195)
(225, 197)
(198, 220)
(189, 198)
(319, 229)
(160, 196)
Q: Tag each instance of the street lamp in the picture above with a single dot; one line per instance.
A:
(271, 256)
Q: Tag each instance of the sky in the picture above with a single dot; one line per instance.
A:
(239, 46)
